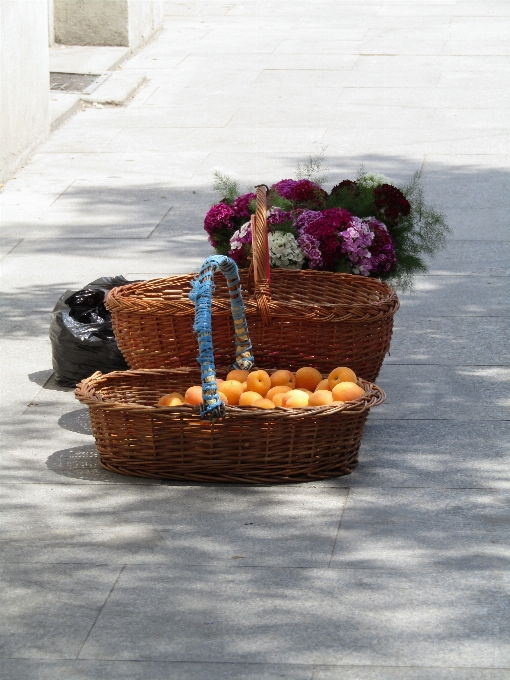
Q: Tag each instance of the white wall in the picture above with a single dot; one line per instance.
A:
(145, 18)
(24, 81)
(106, 22)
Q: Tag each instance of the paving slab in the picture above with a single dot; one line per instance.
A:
(423, 340)
(21, 669)
(432, 453)
(47, 613)
(230, 525)
(420, 617)
(462, 529)
(86, 58)
(438, 392)
(396, 673)
(452, 296)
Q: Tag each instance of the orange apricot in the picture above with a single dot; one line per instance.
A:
(173, 399)
(298, 400)
(293, 393)
(238, 374)
(277, 398)
(219, 381)
(247, 398)
(283, 379)
(308, 377)
(223, 397)
(321, 398)
(193, 395)
(279, 389)
(323, 385)
(347, 391)
(263, 403)
(341, 374)
(245, 386)
(259, 381)
(233, 390)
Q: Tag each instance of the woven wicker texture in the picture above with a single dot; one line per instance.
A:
(318, 318)
(136, 437)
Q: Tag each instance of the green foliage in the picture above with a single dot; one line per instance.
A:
(226, 186)
(359, 202)
(314, 168)
(422, 232)
(274, 200)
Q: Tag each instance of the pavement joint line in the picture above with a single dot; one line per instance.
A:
(339, 526)
(160, 222)
(100, 610)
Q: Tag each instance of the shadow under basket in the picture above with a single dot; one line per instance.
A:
(136, 437)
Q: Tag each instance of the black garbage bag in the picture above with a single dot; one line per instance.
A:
(81, 333)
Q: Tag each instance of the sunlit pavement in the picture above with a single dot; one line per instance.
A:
(397, 572)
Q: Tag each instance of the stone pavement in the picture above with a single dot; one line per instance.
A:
(397, 572)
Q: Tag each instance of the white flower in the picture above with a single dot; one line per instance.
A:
(371, 180)
(241, 236)
(284, 251)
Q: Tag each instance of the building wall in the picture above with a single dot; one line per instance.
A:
(106, 22)
(24, 81)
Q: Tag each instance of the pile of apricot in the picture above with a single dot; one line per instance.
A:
(258, 389)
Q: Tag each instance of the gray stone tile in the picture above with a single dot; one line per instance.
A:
(465, 341)
(405, 617)
(23, 669)
(479, 223)
(7, 245)
(233, 526)
(437, 392)
(48, 612)
(464, 257)
(431, 453)
(202, 139)
(453, 296)
(396, 673)
(428, 97)
(458, 529)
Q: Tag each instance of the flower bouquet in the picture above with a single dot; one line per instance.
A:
(365, 226)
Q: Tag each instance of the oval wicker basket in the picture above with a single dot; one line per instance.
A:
(137, 437)
(296, 318)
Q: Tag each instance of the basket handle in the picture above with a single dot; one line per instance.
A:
(260, 255)
(201, 294)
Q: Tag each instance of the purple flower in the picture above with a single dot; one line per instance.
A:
(356, 240)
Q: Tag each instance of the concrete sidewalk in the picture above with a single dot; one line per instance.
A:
(397, 572)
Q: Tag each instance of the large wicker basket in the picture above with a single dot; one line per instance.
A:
(295, 317)
(136, 437)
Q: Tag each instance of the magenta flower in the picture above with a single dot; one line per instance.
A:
(241, 206)
(301, 192)
(218, 218)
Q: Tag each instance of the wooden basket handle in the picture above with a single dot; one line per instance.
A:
(260, 255)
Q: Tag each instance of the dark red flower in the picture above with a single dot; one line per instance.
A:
(382, 248)
(391, 202)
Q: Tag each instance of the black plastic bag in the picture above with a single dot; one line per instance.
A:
(81, 333)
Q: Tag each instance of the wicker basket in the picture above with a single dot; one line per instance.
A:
(136, 437)
(296, 318)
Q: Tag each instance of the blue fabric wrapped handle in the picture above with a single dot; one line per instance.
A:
(202, 289)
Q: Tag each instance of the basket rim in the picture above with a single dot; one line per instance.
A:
(85, 393)
(138, 298)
